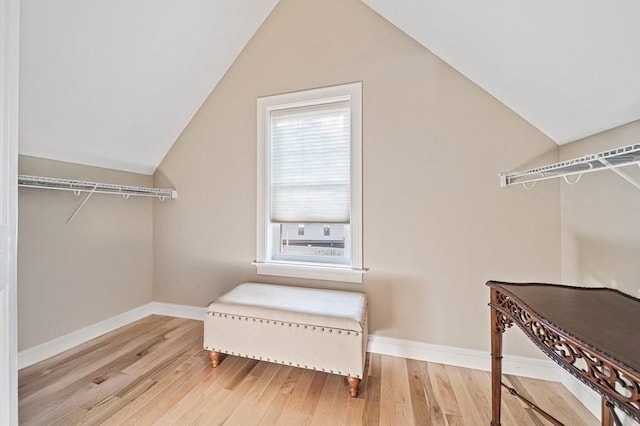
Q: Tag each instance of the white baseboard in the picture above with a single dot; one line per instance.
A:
(467, 358)
(180, 311)
(60, 344)
(582, 392)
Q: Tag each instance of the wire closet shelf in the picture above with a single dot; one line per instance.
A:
(606, 160)
(78, 186)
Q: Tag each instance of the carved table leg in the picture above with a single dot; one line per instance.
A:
(215, 358)
(607, 418)
(497, 328)
(354, 382)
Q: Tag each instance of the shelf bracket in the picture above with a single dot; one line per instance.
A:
(81, 204)
(622, 174)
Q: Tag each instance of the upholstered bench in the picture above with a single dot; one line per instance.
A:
(323, 330)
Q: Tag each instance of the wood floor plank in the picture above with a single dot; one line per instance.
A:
(155, 372)
(195, 369)
(453, 420)
(387, 405)
(355, 411)
(270, 393)
(538, 390)
(241, 414)
(309, 403)
(515, 407)
(108, 407)
(435, 411)
(238, 386)
(277, 404)
(371, 414)
(444, 390)
(293, 412)
(81, 416)
(195, 396)
(464, 395)
(402, 392)
(419, 403)
(324, 412)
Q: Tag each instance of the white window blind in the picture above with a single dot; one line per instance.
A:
(310, 175)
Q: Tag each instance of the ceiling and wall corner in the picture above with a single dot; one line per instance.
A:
(113, 83)
(570, 68)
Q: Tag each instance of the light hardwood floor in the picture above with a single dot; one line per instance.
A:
(154, 371)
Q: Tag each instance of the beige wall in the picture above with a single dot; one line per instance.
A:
(437, 225)
(97, 266)
(600, 232)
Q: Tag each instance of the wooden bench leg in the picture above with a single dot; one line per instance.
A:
(215, 358)
(354, 382)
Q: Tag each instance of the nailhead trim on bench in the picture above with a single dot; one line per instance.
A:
(290, 324)
(280, 362)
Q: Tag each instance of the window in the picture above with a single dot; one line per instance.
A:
(310, 184)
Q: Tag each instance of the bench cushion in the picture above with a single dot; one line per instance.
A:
(326, 308)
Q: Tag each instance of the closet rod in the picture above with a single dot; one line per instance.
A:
(607, 160)
(78, 186)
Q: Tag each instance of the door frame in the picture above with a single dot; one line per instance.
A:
(9, 62)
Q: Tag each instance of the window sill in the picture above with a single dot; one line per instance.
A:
(326, 273)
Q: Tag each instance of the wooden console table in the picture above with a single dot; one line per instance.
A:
(593, 333)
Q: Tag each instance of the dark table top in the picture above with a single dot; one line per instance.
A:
(603, 318)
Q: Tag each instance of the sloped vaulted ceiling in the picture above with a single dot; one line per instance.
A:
(112, 83)
(570, 68)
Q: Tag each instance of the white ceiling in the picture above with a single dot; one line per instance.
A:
(571, 68)
(113, 83)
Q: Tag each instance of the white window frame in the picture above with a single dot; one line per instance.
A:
(264, 263)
